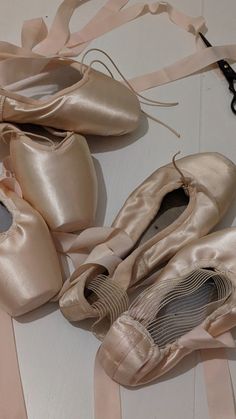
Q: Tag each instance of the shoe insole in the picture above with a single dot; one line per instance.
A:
(44, 85)
(5, 218)
(172, 206)
(173, 310)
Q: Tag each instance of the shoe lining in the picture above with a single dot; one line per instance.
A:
(173, 205)
(55, 136)
(169, 311)
(6, 218)
(42, 86)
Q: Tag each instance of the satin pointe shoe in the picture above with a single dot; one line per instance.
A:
(30, 270)
(63, 94)
(175, 205)
(56, 175)
(190, 306)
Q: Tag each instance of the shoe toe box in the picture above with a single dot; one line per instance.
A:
(126, 350)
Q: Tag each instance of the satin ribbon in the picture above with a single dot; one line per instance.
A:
(53, 43)
(12, 404)
(133, 12)
(107, 400)
(33, 32)
(38, 41)
(199, 338)
(79, 246)
(58, 39)
(105, 246)
(96, 246)
(184, 67)
(220, 392)
(111, 16)
(220, 395)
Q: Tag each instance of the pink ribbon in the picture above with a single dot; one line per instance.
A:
(103, 246)
(12, 404)
(36, 39)
(79, 246)
(107, 400)
(220, 392)
(199, 338)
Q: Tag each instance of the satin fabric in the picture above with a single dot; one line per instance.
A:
(107, 400)
(129, 354)
(211, 187)
(12, 403)
(112, 15)
(220, 392)
(59, 35)
(36, 39)
(79, 246)
(219, 388)
(30, 271)
(58, 180)
(95, 104)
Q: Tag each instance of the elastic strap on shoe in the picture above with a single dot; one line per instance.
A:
(12, 403)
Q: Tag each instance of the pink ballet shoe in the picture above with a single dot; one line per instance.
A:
(87, 102)
(30, 270)
(175, 205)
(190, 306)
(56, 175)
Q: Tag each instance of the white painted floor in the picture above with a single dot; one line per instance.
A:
(56, 358)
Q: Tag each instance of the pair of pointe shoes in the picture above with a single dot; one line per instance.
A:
(175, 205)
(188, 305)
